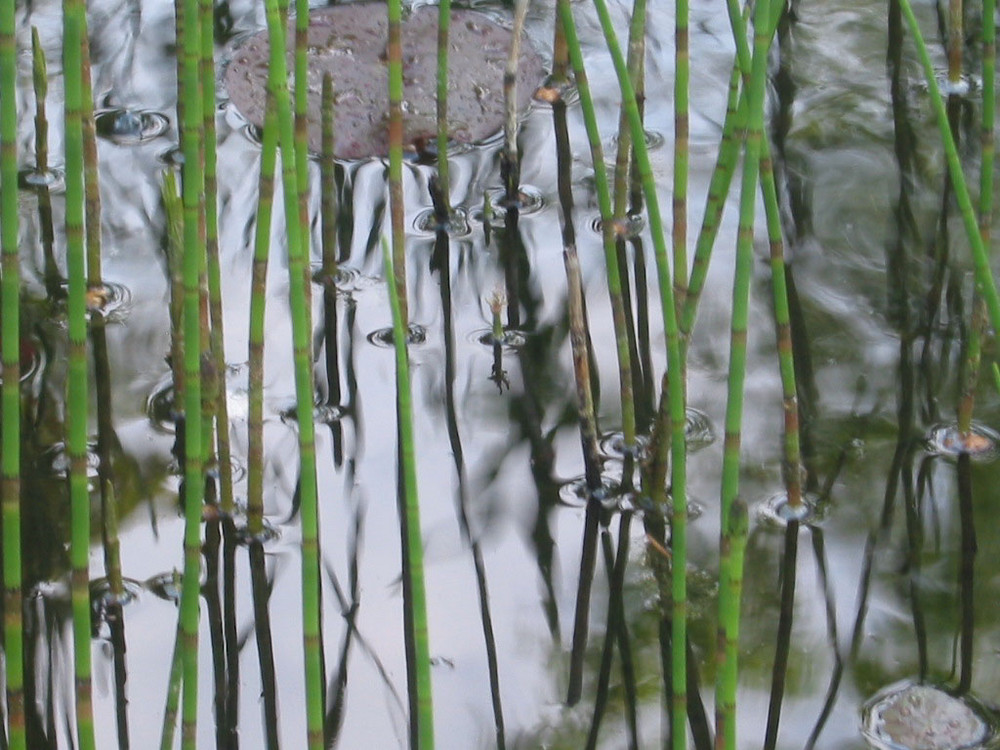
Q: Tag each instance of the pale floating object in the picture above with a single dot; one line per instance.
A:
(349, 42)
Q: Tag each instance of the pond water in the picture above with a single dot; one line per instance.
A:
(889, 586)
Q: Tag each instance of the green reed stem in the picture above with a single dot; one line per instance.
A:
(91, 181)
(328, 183)
(77, 404)
(985, 284)
(302, 145)
(192, 198)
(444, 21)
(955, 40)
(678, 445)
(173, 693)
(726, 701)
(298, 273)
(682, 75)
(581, 356)
(725, 166)
(607, 234)
(40, 84)
(394, 51)
(258, 303)
(987, 159)
(415, 615)
(216, 331)
(510, 163)
(733, 543)
(635, 64)
(10, 342)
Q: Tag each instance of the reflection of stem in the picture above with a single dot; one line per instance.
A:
(106, 441)
(442, 253)
(831, 627)
(116, 625)
(966, 572)
(784, 639)
(616, 631)
(261, 590)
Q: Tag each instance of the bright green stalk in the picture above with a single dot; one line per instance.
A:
(394, 51)
(734, 537)
(216, 335)
(10, 463)
(678, 445)
(413, 550)
(258, 298)
(192, 197)
(77, 401)
(718, 188)
(444, 21)
(725, 166)
(682, 75)
(607, 233)
(301, 102)
(985, 284)
(301, 335)
(726, 702)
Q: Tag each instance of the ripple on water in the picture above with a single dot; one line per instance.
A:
(625, 229)
(35, 179)
(345, 280)
(457, 226)
(908, 716)
(530, 200)
(322, 414)
(777, 512)
(511, 340)
(127, 127)
(697, 429)
(981, 443)
(383, 337)
(576, 494)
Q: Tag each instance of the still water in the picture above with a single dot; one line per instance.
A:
(882, 289)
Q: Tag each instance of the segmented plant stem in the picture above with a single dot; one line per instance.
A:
(623, 156)
(415, 597)
(510, 164)
(733, 543)
(216, 329)
(301, 341)
(394, 52)
(444, 21)
(725, 700)
(682, 75)
(192, 198)
(77, 403)
(607, 234)
(985, 284)
(10, 310)
(258, 302)
(987, 160)
(678, 445)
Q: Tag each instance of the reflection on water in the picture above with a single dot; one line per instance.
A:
(895, 578)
